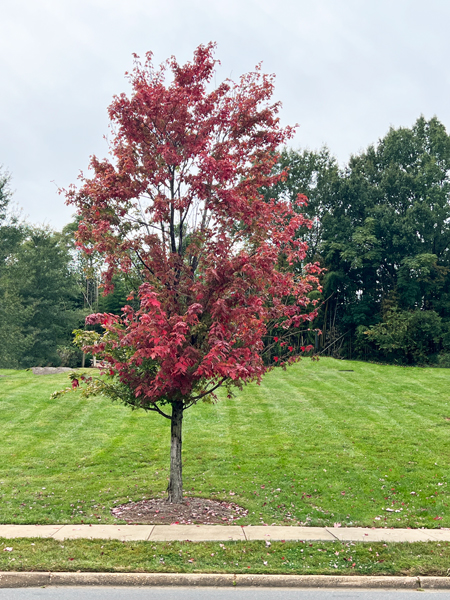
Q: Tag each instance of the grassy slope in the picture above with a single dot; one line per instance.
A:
(314, 444)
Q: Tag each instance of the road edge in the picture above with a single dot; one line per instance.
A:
(17, 579)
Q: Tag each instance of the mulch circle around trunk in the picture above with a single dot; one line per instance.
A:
(158, 511)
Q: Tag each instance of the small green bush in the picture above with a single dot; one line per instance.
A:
(443, 361)
(69, 356)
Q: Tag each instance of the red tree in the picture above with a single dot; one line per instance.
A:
(181, 202)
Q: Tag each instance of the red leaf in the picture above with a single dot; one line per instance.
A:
(184, 152)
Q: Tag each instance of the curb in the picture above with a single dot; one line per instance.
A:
(14, 579)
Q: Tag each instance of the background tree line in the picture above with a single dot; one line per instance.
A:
(46, 290)
(40, 302)
(381, 231)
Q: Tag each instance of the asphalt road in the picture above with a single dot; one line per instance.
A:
(184, 593)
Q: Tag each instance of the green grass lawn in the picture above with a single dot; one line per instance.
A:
(298, 558)
(315, 445)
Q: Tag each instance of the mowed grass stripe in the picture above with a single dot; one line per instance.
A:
(314, 444)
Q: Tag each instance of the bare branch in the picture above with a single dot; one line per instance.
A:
(158, 410)
(195, 399)
(144, 264)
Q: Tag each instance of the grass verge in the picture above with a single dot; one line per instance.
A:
(323, 442)
(300, 558)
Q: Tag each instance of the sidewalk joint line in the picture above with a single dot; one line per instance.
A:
(55, 532)
(150, 534)
(331, 533)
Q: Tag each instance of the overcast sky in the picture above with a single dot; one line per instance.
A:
(346, 71)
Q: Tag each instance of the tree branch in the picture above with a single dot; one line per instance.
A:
(144, 264)
(172, 211)
(158, 410)
(196, 398)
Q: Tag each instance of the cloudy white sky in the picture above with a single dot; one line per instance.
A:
(346, 71)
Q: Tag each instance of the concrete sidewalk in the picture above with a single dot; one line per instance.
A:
(222, 533)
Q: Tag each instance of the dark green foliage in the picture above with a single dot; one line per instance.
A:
(315, 174)
(43, 279)
(13, 314)
(11, 232)
(382, 231)
(46, 289)
(40, 301)
(118, 298)
(5, 195)
(412, 337)
(69, 356)
(396, 246)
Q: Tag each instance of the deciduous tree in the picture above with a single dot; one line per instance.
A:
(180, 201)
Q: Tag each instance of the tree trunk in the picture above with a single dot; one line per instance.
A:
(175, 487)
